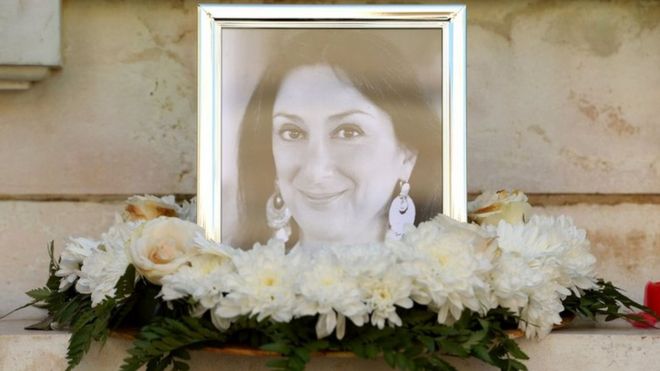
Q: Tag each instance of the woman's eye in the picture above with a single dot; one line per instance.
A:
(348, 132)
(291, 134)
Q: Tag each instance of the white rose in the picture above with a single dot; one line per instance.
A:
(150, 207)
(162, 245)
(491, 207)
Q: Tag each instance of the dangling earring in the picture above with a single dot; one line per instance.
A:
(278, 216)
(402, 212)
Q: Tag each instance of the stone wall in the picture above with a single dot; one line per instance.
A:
(563, 103)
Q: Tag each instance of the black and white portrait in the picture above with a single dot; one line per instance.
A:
(329, 136)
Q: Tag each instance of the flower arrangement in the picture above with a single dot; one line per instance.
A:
(445, 289)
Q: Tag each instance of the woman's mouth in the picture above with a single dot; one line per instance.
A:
(321, 198)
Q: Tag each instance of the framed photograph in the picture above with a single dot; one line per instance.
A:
(329, 124)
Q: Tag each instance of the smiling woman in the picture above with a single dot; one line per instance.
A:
(337, 132)
(337, 160)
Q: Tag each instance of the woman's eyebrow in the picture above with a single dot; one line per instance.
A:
(289, 116)
(339, 116)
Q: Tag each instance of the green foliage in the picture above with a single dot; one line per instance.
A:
(42, 296)
(420, 344)
(68, 309)
(163, 342)
(604, 300)
(89, 323)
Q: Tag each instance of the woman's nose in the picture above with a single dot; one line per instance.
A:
(319, 163)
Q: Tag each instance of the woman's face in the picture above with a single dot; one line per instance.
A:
(337, 158)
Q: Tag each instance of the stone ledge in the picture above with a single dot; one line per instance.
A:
(30, 45)
(583, 348)
(21, 77)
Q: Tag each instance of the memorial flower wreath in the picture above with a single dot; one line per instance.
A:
(445, 289)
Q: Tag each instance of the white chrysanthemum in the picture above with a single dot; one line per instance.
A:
(203, 279)
(538, 265)
(262, 284)
(188, 210)
(104, 266)
(576, 263)
(100, 273)
(364, 259)
(383, 292)
(554, 243)
(71, 259)
(450, 263)
(118, 235)
(541, 313)
(514, 279)
(383, 285)
(327, 289)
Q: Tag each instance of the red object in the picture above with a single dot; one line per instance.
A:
(652, 296)
(646, 320)
(652, 301)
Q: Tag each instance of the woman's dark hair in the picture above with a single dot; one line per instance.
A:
(376, 69)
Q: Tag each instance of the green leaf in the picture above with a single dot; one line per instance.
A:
(517, 365)
(413, 351)
(317, 345)
(70, 310)
(19, 308)
(359, 350)
(484, 324)
(515, 350)
(401, 361)
(40, 294)
(53, 265)
(452, 348)
(43, 325)
(474, 339)
(603, 300)
(126, 283)
(295, 363)
(83, 320)
(441, 364)
(428, 342)
(159, 364)
(165, 337)
(181, 354)
(180, 366)
(280, 348)
(302, 353)
(79, 344)
(390, 358)
(416, 317)
(371, 351)
(482, 353)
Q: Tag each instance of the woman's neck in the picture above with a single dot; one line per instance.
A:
(372, 233)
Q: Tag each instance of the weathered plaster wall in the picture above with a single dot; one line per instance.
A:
(119, 117)
(563, 98)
